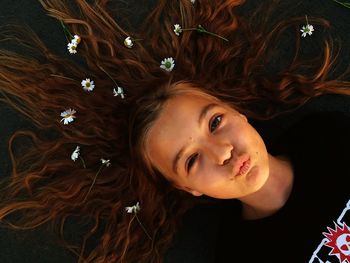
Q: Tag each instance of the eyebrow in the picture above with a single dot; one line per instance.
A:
(201, 117)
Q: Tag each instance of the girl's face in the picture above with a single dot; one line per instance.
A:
(200, 143)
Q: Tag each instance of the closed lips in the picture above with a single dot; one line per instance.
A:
(243, 166)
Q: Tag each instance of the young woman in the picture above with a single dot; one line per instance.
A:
(174, 128)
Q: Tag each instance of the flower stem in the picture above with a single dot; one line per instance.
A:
(66, 31)
(210, 33)
(307, 21)
(142, 227)
(93, 182)
(82, 161)
(188, 29)
(108, 75)
(347, 5)
(203, 30)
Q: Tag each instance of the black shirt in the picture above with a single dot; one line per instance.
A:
(313, 224)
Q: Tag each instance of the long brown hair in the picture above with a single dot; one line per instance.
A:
(46, 186)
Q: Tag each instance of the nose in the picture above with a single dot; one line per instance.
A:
(220, 152)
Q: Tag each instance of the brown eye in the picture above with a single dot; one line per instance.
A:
(215, 123)
(191, 161)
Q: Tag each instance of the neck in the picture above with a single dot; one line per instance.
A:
(273, 194)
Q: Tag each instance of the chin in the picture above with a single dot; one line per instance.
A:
(257, 177)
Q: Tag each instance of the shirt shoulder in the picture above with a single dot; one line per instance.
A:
(314, 129)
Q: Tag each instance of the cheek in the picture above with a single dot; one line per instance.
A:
(210, 175)
(259, 151)
(239, 135)
(247, 140)
(251, 138)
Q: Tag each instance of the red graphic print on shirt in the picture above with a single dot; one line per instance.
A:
(335, 247)
(339, 241)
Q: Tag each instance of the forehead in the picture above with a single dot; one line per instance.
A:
(175, 127)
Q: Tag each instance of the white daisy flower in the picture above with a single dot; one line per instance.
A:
(76, 39)
(308, 29)
(120, 92)
(75, 154)
(68, 116)
(177, 29)
(168, 64)
(128, 42)
(133, 209)
(105, 162)
(72, 48)
(88, 84)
